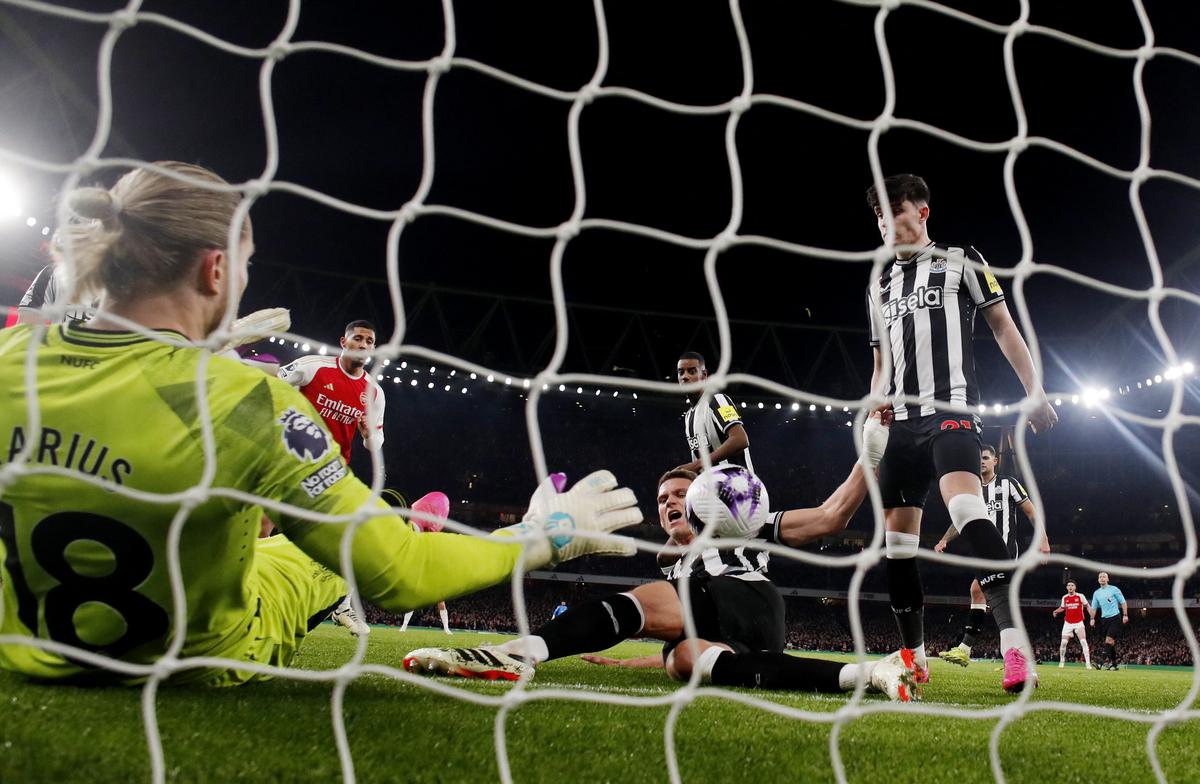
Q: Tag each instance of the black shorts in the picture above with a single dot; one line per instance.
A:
(923, 449)
(746, 615)
(1111, 627)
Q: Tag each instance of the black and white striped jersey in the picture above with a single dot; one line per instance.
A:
(927, 307)
(744, 563)
(705, 428)
(1003, 495)
(44, 290)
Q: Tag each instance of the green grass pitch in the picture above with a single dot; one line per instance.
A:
(282, 730)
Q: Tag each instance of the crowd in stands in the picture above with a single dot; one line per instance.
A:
(824, 625)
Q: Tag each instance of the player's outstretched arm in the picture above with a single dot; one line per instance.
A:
(798, 527)
(1015, 350)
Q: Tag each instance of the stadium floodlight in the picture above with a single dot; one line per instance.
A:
(760, 405)
(447, 387)
(597, 393)
(295, 344)
(464, 391)
(386, 362)
(1090, 396)
(578, 390)
(1158, 379)
(1058, 401)
(432, 368)
(1104, 394)
(272, 338)
(845, 409)
(982, 407)
(306, 347)
(45, 231)
(828, 408)
(491, 378)
(562, 387)
(635, 395)
(849, 424)
(395, 379)
(507, 381)
(525, 384)
(778, 406)
(812, 406)
(10, 200)
(379, 377)
(430, 385)
(322, 351)
(617, 392)
(1074, 399)
(795, 406)
(1188, 368)
(403, 365)
(31, 221)
(997, 408)
(413, 382)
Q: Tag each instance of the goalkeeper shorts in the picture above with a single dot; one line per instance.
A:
(295, 594)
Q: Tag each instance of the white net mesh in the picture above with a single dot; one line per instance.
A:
(732, 110)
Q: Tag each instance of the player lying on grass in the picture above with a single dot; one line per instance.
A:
(118, 412)
(738, 612)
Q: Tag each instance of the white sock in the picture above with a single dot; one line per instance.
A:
(445, 619)
(1062, 651)
(345, 604)
(706, 661)
(1011, 638)
(531, 647)
(965, 649)
(407, 618)
(1087, 654)
(848, 677)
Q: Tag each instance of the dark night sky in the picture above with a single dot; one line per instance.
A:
(352, 130)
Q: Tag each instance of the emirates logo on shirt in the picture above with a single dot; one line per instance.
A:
(303, 437)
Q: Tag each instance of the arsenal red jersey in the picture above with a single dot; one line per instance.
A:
(1074, 604)
(339, 398)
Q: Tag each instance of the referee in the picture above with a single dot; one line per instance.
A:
(716, 428)
(1108, 599)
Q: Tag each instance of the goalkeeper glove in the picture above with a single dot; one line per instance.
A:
(256, 326)
(594, 504)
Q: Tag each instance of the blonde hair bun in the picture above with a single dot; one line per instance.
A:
(93, 203)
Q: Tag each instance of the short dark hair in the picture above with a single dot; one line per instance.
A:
(989, 448)
(677, 473)
(359, 324)
(1072, 582)
(692, 355)
(899, 188)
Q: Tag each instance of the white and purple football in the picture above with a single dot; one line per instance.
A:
(730, 500)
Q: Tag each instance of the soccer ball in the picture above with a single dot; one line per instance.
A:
(728, 499)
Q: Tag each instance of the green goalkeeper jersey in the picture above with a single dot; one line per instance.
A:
(118, 453)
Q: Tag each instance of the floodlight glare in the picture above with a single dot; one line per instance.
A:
(10, 200)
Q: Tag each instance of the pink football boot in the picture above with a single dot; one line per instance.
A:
(437, 504)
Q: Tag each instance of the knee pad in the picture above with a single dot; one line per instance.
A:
(966, 507)
(901, 545)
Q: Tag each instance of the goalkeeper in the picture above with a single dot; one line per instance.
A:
(86, 564)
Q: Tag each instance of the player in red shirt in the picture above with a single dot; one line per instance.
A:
(341, 390)
(348, 399)
(1074, 605)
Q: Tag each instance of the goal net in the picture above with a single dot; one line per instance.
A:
(718, 215)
